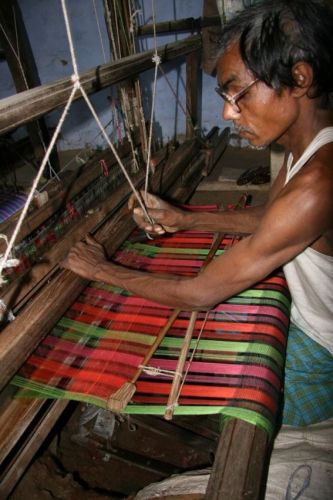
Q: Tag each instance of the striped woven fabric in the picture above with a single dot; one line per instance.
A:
(102, 339)
(10, 203)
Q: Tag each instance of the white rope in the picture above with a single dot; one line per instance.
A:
(70, 41)
(36, 181)
(157, 60)
(99, 31)
(16, 55)
(154, 371)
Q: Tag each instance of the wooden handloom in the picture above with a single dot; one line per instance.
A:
(42, 294)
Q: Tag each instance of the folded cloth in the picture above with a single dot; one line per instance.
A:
(308, 386)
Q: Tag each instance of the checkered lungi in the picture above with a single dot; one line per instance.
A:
(308, 387)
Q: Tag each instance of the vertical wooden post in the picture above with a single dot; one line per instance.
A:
(117, 15)
(193, 93)
(238, 468)
(13, 36)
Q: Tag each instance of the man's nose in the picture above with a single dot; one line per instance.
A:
(229, 112)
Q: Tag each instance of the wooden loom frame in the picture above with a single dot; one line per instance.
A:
(22, 336)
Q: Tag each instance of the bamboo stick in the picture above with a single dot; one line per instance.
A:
(176, 382)
(174, 392)
(118, 401)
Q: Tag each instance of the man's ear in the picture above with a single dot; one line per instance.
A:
(302, 74)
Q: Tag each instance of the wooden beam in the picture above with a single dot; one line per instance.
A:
(239, 462)
(193, 90)
(31, 104)
(189, 24)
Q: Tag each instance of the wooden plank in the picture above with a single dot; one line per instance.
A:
(31, 104)
(193, 90)
(239, 462)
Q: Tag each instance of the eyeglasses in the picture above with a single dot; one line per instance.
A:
(232, 100)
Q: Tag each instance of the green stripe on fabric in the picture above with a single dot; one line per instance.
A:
(38, 390)
(95, 331)
(262, 301)
(222, 346)
(146, 250)
(230, 411)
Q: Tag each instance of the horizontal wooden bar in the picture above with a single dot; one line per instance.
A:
(187, 24)
(25, 106)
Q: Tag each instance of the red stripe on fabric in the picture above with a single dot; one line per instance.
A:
(51, 369)
(220, 369)
(211, 392)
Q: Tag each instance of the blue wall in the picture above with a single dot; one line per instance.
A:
(46, 31)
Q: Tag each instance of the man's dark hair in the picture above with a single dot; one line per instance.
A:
(276, 34)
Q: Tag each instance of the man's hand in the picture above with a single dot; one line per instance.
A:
(84, 258)
(166, 217)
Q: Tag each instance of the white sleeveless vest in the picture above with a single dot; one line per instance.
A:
(310, 274)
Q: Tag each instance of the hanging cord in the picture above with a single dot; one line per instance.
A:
(189, 363)
(177, 98)
(99, 31)
(157, 60)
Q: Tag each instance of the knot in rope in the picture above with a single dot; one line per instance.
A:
(76, 81)
(6, 260)
(156, 59)
(5, 313)
(132, 22)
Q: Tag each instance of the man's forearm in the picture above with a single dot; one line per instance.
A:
(239, 221)
(171, 290)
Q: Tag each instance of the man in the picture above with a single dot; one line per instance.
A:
(274, 73)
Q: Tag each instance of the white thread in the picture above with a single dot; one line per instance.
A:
(191, 359)
(99, 31)
(132, 23)
(154, 371)
(157, 60)
(5, 312)
(69, 38)
(16, 55)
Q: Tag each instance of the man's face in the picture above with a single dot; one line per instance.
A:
(259, 113)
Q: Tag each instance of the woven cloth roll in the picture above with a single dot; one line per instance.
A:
(98, 345)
